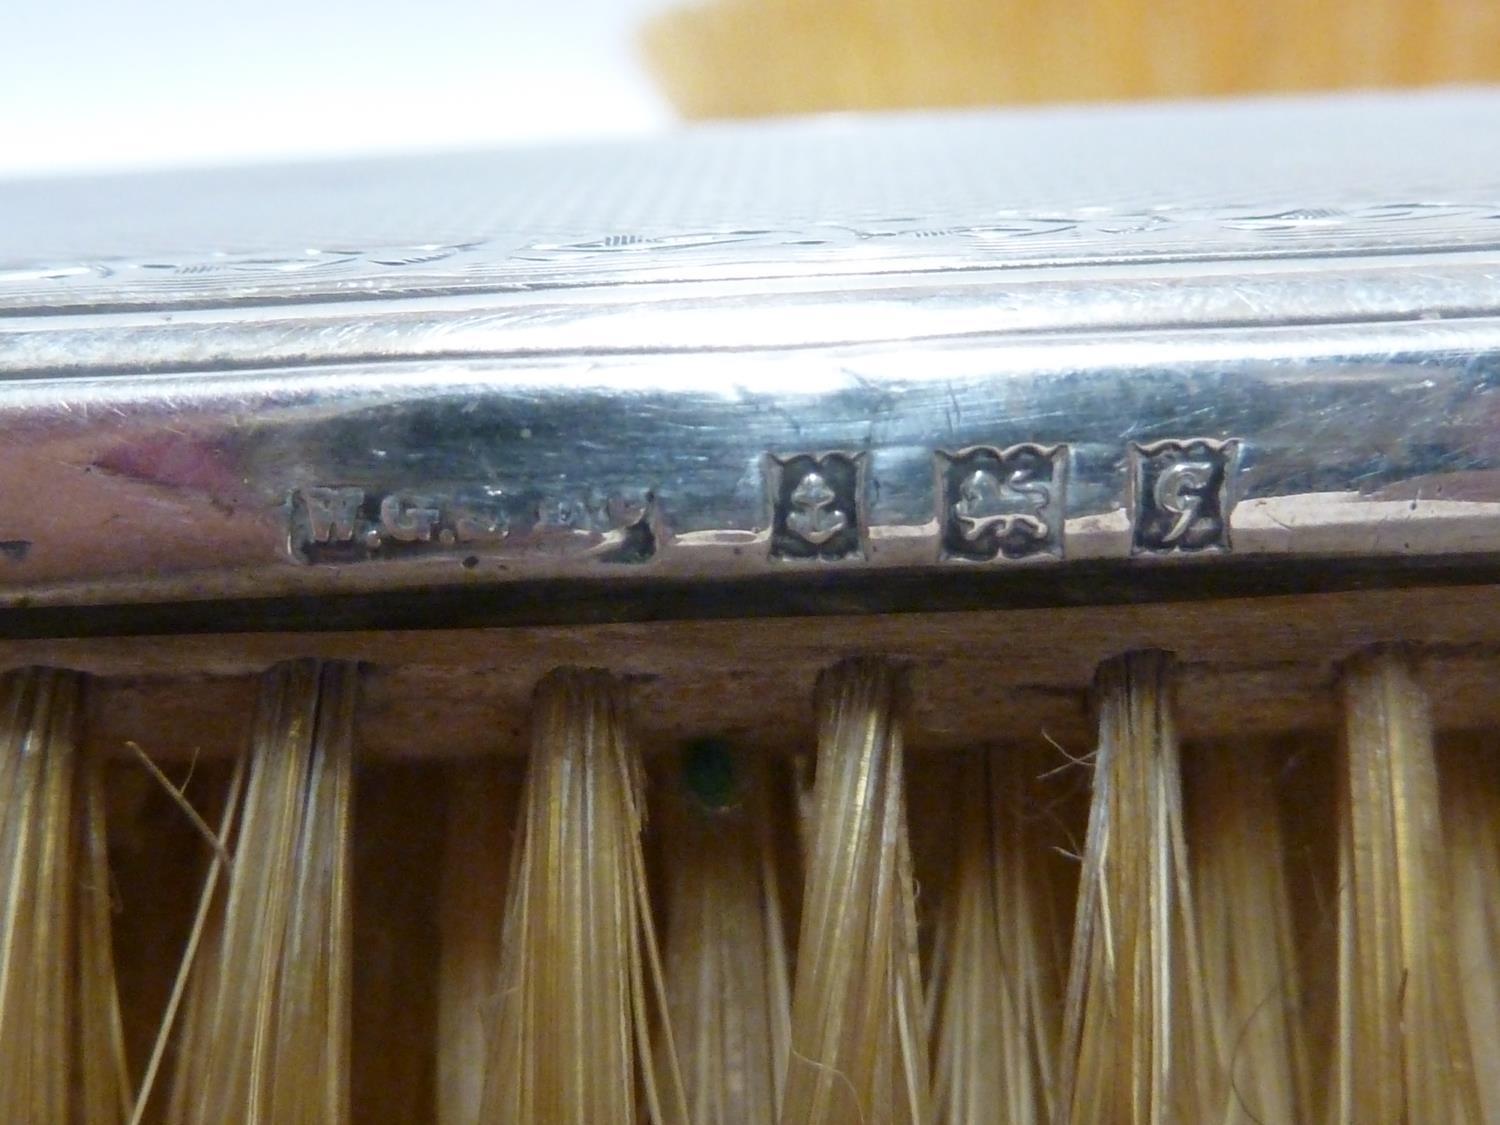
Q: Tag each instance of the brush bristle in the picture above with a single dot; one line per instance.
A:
(1403, 1043)
(1262, 929)
(999, 992)
(1250, 955)
(571, 1041)
(61, 1046)
(1136, 1041)
(859, 1051)
(266, 1034)
(727, 975)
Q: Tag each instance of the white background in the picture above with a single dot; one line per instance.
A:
(96, 84)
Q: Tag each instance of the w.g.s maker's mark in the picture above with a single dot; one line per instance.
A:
(330, 523)
(1181, 495)
(348, 524)
(1002, 503)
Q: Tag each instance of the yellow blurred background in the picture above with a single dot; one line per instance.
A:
(737, 58)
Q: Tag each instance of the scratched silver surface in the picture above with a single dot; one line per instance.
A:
(954, 342)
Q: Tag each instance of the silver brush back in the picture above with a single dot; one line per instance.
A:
(922, 362)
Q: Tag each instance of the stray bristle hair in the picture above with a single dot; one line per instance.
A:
(999, 982)
(724, 943)
(859, 1051)
(1136, 1047)
(62, 1054)
(572, 1043)
(1403, 1049)
(265, 1034)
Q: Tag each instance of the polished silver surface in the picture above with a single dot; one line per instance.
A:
(1281, 341)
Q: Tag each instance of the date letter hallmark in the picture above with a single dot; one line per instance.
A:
(1002, 503)
(1182, 493)
(815, 505)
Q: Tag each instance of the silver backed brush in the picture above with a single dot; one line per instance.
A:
(1000, 514)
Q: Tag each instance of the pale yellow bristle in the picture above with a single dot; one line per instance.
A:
(998, 970)
(725, 953)
(1250, 957)
(104, 1084)
(62, 1052)
(859, 1052)
(1471, 820)
(1137, 1043)
(1403, 1046)
(265, 1037)
(572, 1035)
(1280, 929)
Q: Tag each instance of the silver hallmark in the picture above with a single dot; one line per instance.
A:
(995, 504)
(815, 505)
(344, 524)
(406, 522)
(611, 529)
(330, 513)
(322, 515)
(1181, 495)
(1002, 503)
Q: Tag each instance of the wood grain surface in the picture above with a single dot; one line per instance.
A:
(1247, 666)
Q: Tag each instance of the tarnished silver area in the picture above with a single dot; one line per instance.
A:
(1281, 341)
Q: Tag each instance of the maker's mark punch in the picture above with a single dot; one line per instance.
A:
(345, 523)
